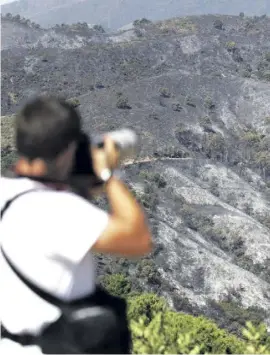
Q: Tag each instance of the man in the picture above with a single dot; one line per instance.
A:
(49, 233)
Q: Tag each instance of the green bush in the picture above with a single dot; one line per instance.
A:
(157, 329)
(145, 305)
(231, 46)
(147, 270)
(116, 284)
(74, 102)
(177, 333)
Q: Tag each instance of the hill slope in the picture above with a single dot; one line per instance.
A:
(196, 90)
(116, 13)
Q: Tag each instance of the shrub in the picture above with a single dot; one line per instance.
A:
(141, 22)
(193, 219)
(258, 341)
(214, 145)
(98, 28)
(122, 103)
(155, 178)
(237, 314)
(116, 284)
(145, 305)
(164, 92)
(175, 333)
(266, 75)
(245, 73)
(74, 102)
(177, 107)
(147, 270)
(218, 24)
(190, 101)
(208, 103)
(231, 46)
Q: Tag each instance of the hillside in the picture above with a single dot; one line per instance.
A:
(113, 14)
(196, 90)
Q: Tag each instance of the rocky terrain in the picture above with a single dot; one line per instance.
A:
(115, 13)
(196, 90)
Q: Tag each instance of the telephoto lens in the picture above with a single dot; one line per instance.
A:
(125, 139)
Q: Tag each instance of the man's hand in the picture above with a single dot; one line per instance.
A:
(105, 158)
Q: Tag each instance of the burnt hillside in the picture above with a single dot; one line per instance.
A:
(196, 90)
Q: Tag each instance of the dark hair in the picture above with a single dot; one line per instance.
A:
(45, 127)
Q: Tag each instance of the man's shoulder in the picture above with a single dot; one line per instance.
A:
(39, 193)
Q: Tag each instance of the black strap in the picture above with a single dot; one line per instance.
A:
(9, 202)
(44, 295)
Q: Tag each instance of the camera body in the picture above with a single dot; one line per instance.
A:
(126, 141)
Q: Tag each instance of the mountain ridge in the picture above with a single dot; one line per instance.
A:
(114, 14)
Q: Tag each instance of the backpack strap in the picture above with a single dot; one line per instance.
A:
(42, 294)
(9, 202)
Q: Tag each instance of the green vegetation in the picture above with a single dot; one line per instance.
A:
(176, 25)
(74, 102)
(157, 329)
(231, 46)
(117, 284)
(13, 97)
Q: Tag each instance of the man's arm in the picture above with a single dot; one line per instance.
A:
(127, 232)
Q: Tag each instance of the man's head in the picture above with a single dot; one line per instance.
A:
(47, 131)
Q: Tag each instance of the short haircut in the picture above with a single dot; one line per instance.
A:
(45, 127)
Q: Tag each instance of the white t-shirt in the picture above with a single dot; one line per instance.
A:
(47, 235)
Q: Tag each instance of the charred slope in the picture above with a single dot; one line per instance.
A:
(197, 92)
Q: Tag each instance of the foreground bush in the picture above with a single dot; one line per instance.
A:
(177, 333)
(172, 333)
(156, 329)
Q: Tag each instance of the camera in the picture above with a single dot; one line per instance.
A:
(126, 141)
